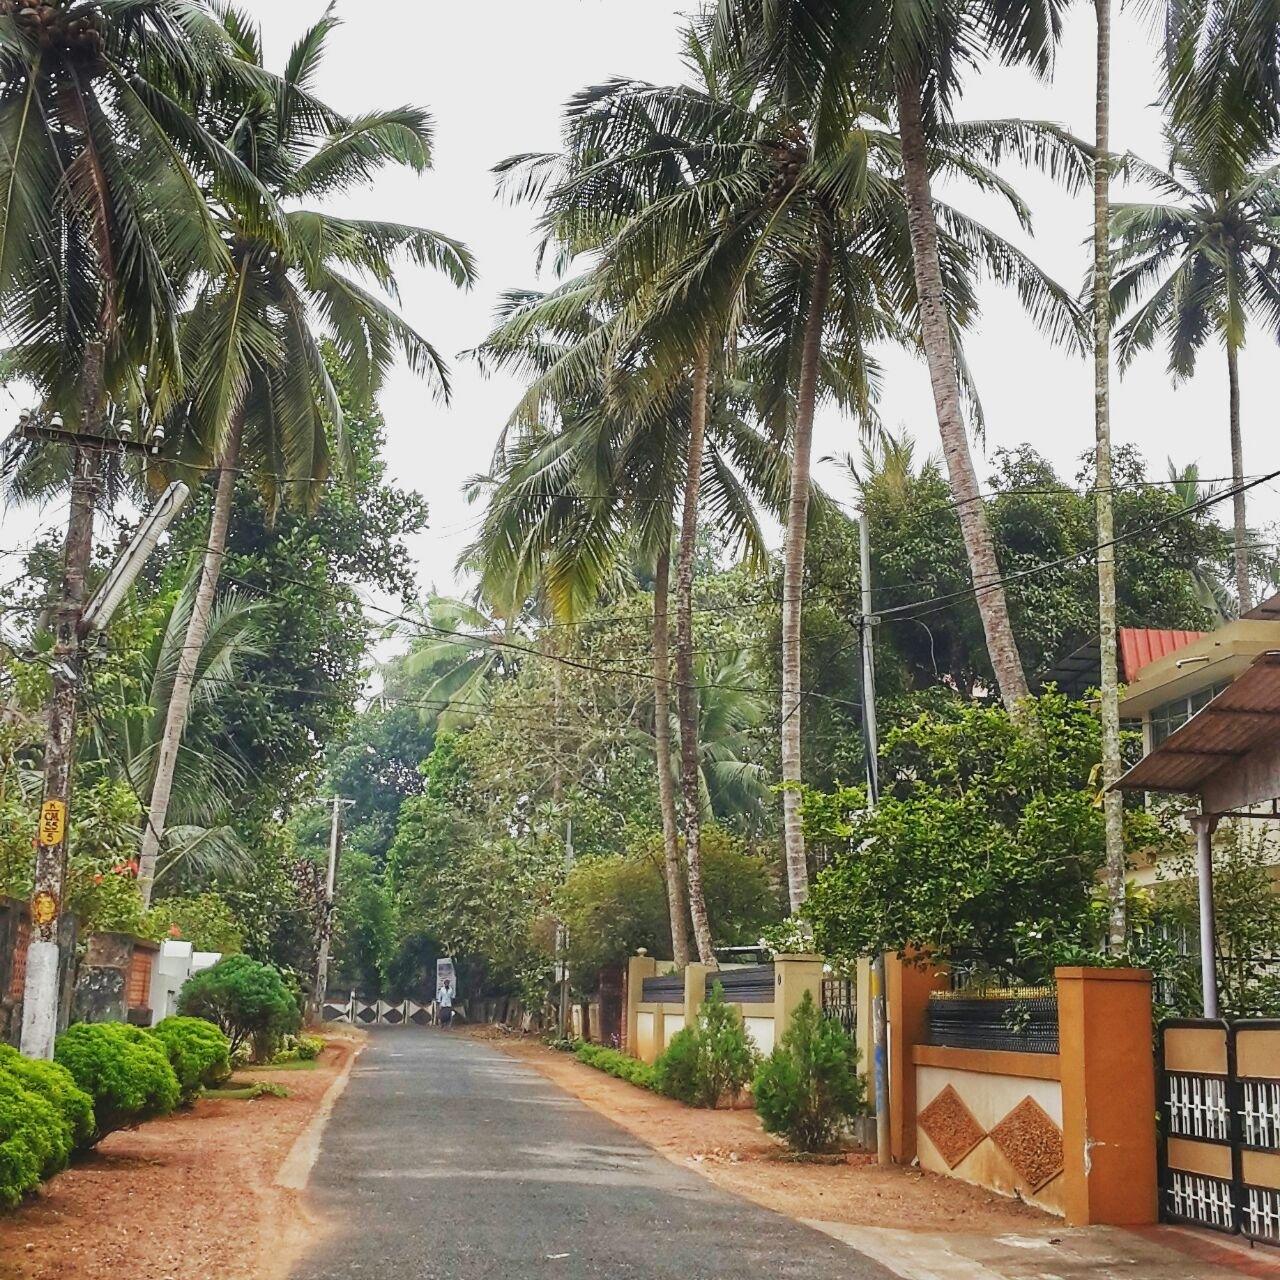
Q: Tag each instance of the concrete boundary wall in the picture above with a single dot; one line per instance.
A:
(650, 1026)
(1072, 1132)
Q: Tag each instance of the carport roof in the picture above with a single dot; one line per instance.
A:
(1242, 718)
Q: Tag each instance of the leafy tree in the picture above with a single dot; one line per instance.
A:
(986, 840)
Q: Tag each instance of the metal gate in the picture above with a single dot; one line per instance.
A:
(840, 1001)
(377, 1013)
(1220, 1125)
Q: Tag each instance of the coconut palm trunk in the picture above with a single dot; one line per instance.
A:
(793, 576)
(993, 605)
(188, 662)
(1112, 801)
(1244, 588)
(677, 902)
(687, 694)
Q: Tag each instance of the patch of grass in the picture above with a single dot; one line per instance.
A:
(294, 1064)
(247, 1092)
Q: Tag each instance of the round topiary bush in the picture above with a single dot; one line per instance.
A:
(198, 1052)
(247, 1000)
(57, 1086)
(34, 1140)
(125, 1070)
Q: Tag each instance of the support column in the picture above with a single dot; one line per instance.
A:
(1204, 825)
(695, 992)
(794, 975)
(1107, 1062)
(638, 969)
(908, 987)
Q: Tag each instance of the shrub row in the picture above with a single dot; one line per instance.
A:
(806, 1091)
(617, 1064)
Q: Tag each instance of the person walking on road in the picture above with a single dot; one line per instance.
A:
(444, 1005)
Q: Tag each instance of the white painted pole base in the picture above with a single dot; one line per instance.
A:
(40, 1001)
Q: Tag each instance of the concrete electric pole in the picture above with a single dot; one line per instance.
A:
(321, 988)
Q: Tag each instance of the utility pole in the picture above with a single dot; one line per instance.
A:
(40, 995)
(871, 739)
(563, 939)
(320, 990)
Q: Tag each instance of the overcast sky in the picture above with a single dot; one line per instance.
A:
(495, 75)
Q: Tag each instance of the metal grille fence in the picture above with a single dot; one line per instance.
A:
(1019, 1020)
(840, 1001)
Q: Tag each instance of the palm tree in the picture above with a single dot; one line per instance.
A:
(200, 838)
(1199, 264)
(259, 396)
(791, 225)
(585, 484)
(102, 222)
(913, 55)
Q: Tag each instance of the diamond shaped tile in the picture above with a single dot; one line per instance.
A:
(950, 1126)
(1028, 1138)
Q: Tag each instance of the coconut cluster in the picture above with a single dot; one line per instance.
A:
(54, 27)
(788, 156)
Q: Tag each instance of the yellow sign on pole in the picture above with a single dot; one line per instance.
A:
(44, 909)
(53, 823)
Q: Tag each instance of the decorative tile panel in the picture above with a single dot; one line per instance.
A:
(950, 1126)
(1028, 1138)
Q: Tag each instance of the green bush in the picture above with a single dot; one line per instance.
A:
(809, 1088)
(675, 1074)
(33, 1140)
(198, 1052)
(125, 1070)
(726, 1058)
(57, 1086)
(709, 1062)
(632, 1070)
(247, 1000)
(309, 1048)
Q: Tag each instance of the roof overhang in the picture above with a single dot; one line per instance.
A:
(1228, 754)
(1222, 655)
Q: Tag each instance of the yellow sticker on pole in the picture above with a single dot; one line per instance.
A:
(53, 823)
(44, 909)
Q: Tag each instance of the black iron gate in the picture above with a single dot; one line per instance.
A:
(840, 1001)
(1220, 1125)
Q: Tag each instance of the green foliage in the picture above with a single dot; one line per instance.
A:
(125, 1070)
(71, 1106)
(203, 919)
(675, 1073)
(632, 1070)
(199, 1053)
(32, 1140)
(987, 838)
(247, 1000)
(299, 1049)
(612, 906)
(809, 1087)
(726, 1059)
(710, 1062)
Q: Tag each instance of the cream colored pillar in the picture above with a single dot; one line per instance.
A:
(638, 969)
(793, 976)
(695, 991)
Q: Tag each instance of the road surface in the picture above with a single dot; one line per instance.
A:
(447, 1160)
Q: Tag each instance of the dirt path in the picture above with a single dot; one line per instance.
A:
(191, 1195)
(731, 1149)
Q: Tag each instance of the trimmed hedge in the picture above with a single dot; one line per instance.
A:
(56, 1086)
(247, 1000)
(613, 1063)
(198, 1052)
(33, 1140)
(125, 1070)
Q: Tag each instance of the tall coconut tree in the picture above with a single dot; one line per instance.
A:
(259, 399)
(103, 220)
(1197, 264)
(792, 227)
(595, 479)
(913, 56)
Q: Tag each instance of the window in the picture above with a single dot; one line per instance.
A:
(1171, 716)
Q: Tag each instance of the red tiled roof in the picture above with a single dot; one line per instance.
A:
(1141, 646)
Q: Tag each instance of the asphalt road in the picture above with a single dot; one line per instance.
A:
(447, 1160)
